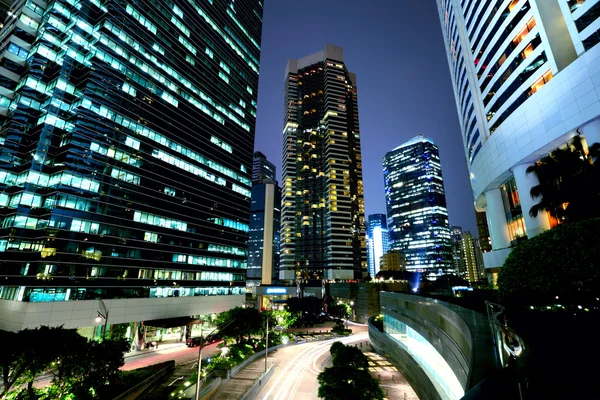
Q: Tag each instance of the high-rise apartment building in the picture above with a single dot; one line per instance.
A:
(456, 234)
(377, 241)
(526, 80)
(265, 215)
(322, 224)
(416, 206)
(262, 168)
(471, 260)
(125, 159)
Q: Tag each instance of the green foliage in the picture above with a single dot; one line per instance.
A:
(81, 369)
(284, 318)
(348, 383)
(378, 322)
(569, 183)
(349, 377)
(350, 356)
(342, 310)
(340, 330)
(563, 261)
(242, 322)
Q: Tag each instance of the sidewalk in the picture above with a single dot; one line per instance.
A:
(235, 387)
(167, 344)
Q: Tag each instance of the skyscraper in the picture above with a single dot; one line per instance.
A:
(262, 168)
(456, 235)
(471, 260)
(127, 139)
(416, 206)
(323, 224)
(377, 241)
(525, 78)
(265, 215)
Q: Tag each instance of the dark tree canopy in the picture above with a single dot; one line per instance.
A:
(242, 322)
(349, 377)
(569, 182)
(564, 262)
(348, 383)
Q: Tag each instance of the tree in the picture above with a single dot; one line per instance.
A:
(563, 261)
(569, 183)
(12, 363)
(285, 318)
(348, 383)
(349, 377)
(242, 322)
(349, 356)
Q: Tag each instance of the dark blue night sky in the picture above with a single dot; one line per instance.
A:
(396, 49)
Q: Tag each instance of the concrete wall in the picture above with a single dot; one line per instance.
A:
(461, 336)
(17, 315)
(410, 369)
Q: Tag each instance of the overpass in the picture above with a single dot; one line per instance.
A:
(442, 349)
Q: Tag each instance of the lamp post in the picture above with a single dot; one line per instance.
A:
(267, 346)
(102, 314)
(200, 353)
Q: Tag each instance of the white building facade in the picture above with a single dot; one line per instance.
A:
(526, 77)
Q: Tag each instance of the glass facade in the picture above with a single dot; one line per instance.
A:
(428, 358)
(263, 243)
(416, 206)
(514, 214)
(323, 221)
(377, 241)
(127, 137)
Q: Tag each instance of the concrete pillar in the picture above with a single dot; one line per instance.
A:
(591, 132)
(524, 183)
(496, 218)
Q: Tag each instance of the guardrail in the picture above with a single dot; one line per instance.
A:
(135, 391)
(258, 383)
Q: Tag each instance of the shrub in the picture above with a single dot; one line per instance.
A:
(563, 262)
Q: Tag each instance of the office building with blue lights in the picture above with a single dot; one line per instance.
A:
(126, 158)
(377, 241)
(416, 206)
(265, 215)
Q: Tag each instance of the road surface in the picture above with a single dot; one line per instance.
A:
(297, 367)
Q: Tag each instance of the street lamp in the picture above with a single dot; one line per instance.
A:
(267, 345)
(103, 314)
(200, 353)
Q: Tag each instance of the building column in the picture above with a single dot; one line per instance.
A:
(496, 218)
(591, 132)
(524, 183)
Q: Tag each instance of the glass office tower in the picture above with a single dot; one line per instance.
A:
(416, 206)
(377, 241)
(126, 147)
(265, 216)
(323, 222)
(525, 80)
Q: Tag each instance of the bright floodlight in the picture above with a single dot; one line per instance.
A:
(98, 319)
(415, 289)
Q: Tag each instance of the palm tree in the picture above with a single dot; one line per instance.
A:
(569, 187)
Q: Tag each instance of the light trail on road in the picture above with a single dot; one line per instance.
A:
(295, 370)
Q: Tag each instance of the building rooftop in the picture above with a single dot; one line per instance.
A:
(417, 139)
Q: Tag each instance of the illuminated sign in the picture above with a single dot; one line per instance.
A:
(276, 291)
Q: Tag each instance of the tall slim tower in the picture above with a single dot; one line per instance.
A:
(416, 206)
(377, 241)
(262, 168)
(126, 153)
(265, 217)
(323, 224)
(525, 79)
